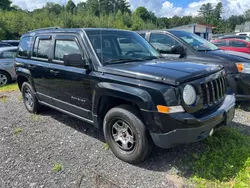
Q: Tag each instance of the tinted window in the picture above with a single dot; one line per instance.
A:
(42, 48)
(24, 47)
(238, 44)
(162, 43)
(220, 43)
(8, 55)
(64, 47)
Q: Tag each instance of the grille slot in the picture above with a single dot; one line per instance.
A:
(213, 91)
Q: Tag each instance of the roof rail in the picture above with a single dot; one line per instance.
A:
(46, 28)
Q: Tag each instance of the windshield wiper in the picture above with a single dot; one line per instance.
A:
(119, 60)
(124, 60)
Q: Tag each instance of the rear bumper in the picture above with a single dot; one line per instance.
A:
(198, 128)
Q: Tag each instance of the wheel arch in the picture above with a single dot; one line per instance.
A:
(110, 95)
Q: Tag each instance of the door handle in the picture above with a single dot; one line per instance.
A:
(54, 72)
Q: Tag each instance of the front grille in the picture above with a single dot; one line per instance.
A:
(213, 91)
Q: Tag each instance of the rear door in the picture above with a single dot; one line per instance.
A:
(39, 66)
(70, 85)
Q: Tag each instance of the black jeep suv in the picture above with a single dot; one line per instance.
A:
(115, 80)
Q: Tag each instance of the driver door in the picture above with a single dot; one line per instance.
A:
(71, 85)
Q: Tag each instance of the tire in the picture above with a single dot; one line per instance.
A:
(4, 78)
(121, 123)
(29, 99)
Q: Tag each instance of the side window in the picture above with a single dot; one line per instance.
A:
(64, 47)
(24, 47)
(8, 55)
(220, 43)
(162, 43)
(42, 48)
(237, 44)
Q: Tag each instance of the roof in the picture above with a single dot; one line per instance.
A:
(69, 30)
(8, 48)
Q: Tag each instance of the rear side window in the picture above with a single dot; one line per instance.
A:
(64, 47)
(25, 47)
(42, 48)
(238, 44)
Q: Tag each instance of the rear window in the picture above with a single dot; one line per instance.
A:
(24, 47)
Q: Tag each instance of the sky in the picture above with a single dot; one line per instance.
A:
(161, 8)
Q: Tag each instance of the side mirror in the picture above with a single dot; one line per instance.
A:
(74, 60)
(179, 49)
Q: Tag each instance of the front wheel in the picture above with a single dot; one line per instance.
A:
(126, 134)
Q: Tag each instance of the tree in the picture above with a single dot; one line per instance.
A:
(218, 11)
(5, 4)
(143, 13)
(70, 7)
(247, 14)
(54, 8)
(206, 11)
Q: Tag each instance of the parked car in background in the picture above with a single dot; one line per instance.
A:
(2, 44)
(7, 70)
(116, 81)
(233, 44)
(242, 37)
(11, 42)
(244, 34)
(175, 44)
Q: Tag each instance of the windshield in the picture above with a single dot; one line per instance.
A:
(120, 46)
(195, 41)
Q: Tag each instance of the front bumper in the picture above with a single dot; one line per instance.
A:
(192, 129)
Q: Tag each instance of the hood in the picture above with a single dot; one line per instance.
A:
(231, 55)
(170, 72)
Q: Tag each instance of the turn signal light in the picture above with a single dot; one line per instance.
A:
(163, 109)
(240, 67)
(169, 109)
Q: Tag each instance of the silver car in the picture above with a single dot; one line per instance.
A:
(7, 70)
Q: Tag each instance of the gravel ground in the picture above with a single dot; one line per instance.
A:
(27, 157)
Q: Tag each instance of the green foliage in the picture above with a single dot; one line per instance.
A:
(9, 88)
(57, 167)
(17, 131)
(225, 161)
(5, 4)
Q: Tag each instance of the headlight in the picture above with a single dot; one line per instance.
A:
(189, 95)
(243, 67)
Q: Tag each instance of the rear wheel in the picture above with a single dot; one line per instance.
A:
(4, 78)
(29, 99)
(126, 134)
